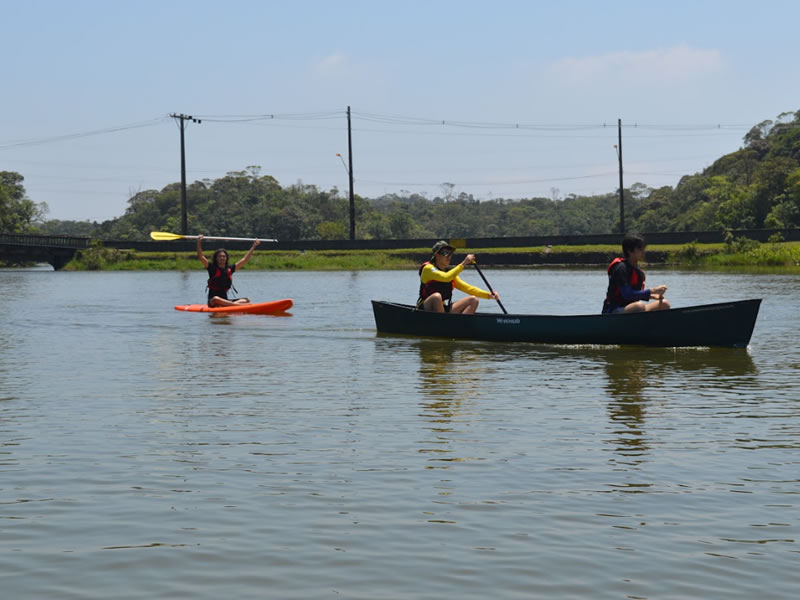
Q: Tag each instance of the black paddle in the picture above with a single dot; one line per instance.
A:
(478, 269)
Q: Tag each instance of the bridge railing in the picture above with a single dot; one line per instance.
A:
(55, 241)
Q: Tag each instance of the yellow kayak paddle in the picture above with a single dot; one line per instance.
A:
(165, 236)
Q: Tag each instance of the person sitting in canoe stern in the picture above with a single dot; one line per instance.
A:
(438, 278)
(626, 291)
(220, 274)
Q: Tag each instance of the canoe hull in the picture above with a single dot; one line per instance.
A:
(259, 308)
(724, 324)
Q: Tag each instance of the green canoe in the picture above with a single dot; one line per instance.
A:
(724, 324)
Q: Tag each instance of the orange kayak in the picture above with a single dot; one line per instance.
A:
(259, 308)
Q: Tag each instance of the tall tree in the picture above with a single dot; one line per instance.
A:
(18, 213)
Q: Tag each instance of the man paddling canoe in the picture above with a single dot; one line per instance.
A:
(220, 274)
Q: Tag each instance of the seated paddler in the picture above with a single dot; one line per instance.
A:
(626, 291)
(220, 274)
(438, 278)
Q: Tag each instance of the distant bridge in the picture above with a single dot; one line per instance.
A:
(58, 250)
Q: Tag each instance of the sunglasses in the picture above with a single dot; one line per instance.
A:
(445, 253)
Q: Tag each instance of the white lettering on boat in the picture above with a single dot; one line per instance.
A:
(503, 321)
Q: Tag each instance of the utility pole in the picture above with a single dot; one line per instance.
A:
(183, 118)
(350, 174)
(621, 196)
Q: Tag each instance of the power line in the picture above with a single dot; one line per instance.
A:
(272, 117)
(564, 136)
(482, 183)
(72, 136)
(677, 129)
(418, 121)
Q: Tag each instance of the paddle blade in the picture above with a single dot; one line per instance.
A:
(163, 236)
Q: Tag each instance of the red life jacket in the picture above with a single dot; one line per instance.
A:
(445, 288)
(221, 281)
(636, 280)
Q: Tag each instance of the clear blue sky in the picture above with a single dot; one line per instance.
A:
(88, 87)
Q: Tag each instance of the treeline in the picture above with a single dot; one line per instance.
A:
(754, 187)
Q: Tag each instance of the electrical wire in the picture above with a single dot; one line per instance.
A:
(480, 183)
(73, 136)
(673, 130)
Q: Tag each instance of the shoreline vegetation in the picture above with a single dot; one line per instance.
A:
(742, 254)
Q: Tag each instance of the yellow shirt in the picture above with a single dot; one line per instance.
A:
(431, 273)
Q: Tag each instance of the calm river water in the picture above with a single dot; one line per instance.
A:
(149, 453)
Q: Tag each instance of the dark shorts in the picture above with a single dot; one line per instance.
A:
(613, 310)
(222, 295)
(421, 307)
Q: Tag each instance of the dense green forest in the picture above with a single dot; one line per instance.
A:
(757, 186)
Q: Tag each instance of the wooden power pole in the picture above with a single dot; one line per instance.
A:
(183, 118)
(350, 175)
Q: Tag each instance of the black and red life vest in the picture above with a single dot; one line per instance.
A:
(635, 277)
(221, 280)
(445, 288)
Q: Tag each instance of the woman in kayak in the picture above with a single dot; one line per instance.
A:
(626, 292)
(220, 274)
(437, 280)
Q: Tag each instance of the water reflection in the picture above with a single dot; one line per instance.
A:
(451, 381)
(449, 376)
(628, 376)
(631, 371)
(638, 380)
(453, 374)
(440, 377)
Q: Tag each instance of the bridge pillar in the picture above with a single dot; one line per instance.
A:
(60, 259)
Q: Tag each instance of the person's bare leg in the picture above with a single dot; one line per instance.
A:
(465, 306)
(659, 305)
(217, 301)
(635, 307)
(433, 303)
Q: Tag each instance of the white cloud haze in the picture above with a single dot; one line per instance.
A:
(668, 65)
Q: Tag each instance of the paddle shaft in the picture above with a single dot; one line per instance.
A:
(166, 236)
(478, 269)
(228, 239)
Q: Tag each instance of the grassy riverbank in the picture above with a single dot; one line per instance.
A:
(109, 259)
(736, 253)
